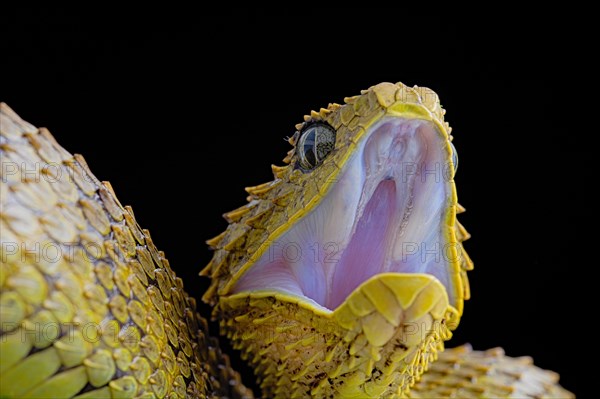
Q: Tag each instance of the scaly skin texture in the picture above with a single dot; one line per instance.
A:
(464, 373)
(89, 307)
(381, 339)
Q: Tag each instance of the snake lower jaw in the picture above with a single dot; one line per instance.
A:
(376, 343)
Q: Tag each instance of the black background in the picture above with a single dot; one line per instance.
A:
(176, 103)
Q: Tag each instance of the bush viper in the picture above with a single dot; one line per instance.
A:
(340, 278)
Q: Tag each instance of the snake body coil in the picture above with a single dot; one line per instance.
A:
(89, 307)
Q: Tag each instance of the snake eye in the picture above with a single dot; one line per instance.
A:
(316, 142)
(454, 157)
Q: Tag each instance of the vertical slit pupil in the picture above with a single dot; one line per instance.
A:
(315, 143)
(309, 148)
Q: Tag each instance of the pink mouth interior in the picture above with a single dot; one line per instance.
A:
(367, 246)
(386, 213)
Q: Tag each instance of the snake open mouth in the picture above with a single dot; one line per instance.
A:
(386, 213)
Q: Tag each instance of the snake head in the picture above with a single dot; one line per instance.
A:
(345, 274)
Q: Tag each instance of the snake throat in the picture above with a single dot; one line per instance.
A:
(386, 213)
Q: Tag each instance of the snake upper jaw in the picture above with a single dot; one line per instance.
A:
(391, 210)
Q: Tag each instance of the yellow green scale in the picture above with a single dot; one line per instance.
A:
(89, 308)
